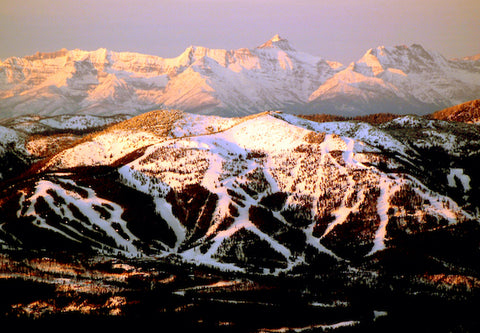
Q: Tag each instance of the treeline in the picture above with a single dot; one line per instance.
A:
(468, 112)
(465, 112)
(374, 119)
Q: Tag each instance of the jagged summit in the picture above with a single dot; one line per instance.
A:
(279, 42)
(412, 57)
(276, 38)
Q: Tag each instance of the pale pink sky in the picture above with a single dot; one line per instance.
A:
(339, 30)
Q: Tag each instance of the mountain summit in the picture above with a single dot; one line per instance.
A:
(272, 76)
(276, 38)
(279, 42)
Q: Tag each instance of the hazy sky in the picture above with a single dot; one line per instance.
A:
(339, 30)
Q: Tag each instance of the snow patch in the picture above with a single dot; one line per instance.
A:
(460, 175)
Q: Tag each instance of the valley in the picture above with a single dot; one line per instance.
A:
(85, 289)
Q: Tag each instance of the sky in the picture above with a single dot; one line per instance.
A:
(340, 30)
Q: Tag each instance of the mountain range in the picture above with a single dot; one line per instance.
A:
(272, 76)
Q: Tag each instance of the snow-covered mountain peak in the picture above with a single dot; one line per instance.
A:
(370, 63)
(399, 79)
(413, 58)
(276, 38)
(277, 42)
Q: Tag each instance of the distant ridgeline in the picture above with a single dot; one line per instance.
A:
(273, 76)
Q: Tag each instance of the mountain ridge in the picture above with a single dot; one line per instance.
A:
(466, 112)
(272, 76)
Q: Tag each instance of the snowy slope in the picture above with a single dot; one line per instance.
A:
(108, 226)
(10, 139)
(35, 124)
(27, 139)
(13, 153)
(457, 139)
(270, 191)
(362, 132)
(272, 76)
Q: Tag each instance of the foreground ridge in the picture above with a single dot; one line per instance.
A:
(268, 193)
